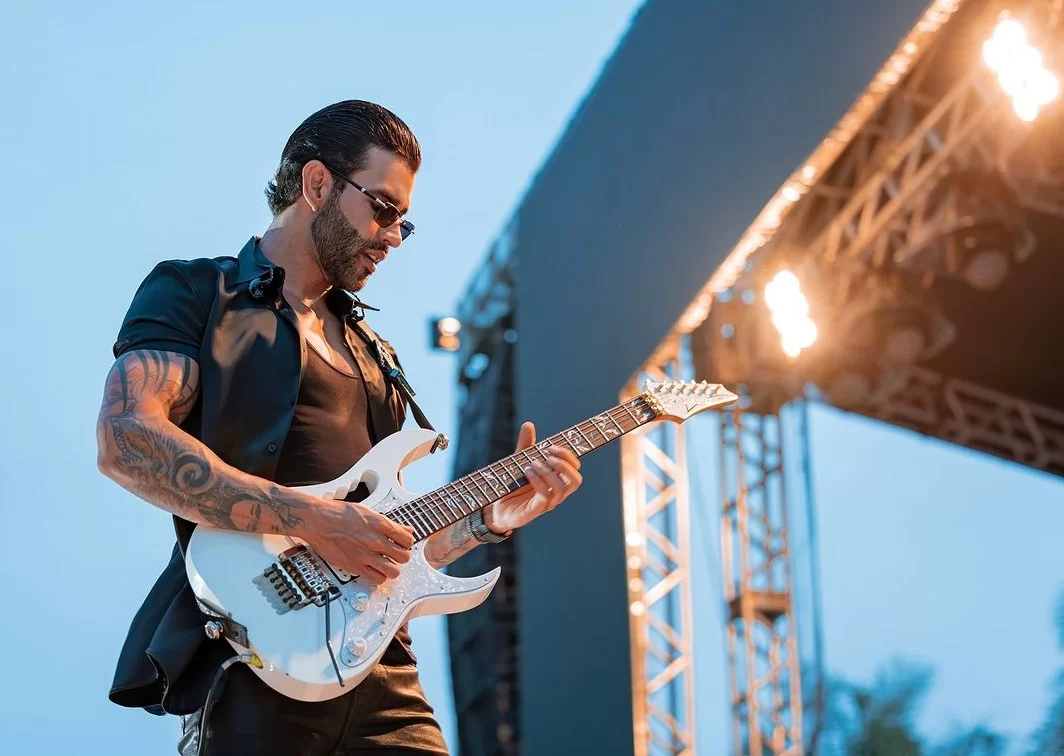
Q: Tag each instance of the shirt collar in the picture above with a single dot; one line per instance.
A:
(256, 271)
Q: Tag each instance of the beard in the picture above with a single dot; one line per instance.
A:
(341, 248)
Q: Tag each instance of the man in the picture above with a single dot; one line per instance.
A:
(238, 378)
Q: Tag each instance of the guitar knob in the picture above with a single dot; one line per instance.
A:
(357, 646)
(359, 601)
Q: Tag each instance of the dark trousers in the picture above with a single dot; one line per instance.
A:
(385, 714)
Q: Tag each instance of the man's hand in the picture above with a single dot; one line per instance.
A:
(356, 539)
(550, 484)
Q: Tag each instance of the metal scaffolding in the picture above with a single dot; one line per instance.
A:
(657, 548)
(486, 637)
(848, 207)
(977, 418)
(766, 701)
(484, 641)
(872, 199)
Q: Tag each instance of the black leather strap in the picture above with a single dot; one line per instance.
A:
(390, 369)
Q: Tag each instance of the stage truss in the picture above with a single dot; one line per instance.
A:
(657, 550)
(766, 700)
(864, 197)
(869, 198)
(977, 418)
(765, 691)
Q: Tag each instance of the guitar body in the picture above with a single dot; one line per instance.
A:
(266, 584)
(314, 633)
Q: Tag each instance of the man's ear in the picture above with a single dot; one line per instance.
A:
(317, 183)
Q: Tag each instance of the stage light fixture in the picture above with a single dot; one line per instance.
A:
(443, 333)
(790, 313)
(890, 316)
(1020, 72)
(975, 230)
(981, 254)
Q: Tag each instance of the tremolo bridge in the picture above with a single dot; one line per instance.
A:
(297, 579)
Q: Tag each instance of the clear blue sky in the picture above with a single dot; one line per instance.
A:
(134, 133)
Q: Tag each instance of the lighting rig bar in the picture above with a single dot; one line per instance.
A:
(976, 417)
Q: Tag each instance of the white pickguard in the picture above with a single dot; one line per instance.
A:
(226, 570)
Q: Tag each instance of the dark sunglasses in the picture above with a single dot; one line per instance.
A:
(386, 214)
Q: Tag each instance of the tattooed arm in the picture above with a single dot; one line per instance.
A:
(447, 545)
(455, 541)
(140, 446)
(148, 393)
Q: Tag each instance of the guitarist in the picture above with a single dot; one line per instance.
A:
(238, 377)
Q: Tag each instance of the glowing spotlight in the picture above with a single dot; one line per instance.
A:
(1019, 69)
(443, 333)
(790, 313)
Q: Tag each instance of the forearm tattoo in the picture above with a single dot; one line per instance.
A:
(148, 394)
(449, 544)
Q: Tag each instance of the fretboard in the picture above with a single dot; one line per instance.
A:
(455, 501)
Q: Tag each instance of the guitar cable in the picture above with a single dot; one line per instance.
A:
(251, 659)
(328, 636)
(255, 661)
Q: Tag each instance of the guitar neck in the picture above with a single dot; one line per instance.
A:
(455, 501)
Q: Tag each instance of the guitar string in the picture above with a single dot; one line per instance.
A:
(411, 509)
(416, 506)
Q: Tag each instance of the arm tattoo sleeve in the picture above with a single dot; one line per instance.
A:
(447, 545)
(148, 393)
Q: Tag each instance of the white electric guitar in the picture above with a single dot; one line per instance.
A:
(313, 632)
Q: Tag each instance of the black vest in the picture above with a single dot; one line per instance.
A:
(251, 359)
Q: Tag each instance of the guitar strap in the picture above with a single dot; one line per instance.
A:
(393, 373)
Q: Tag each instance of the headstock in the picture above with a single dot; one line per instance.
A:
(679, 400)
